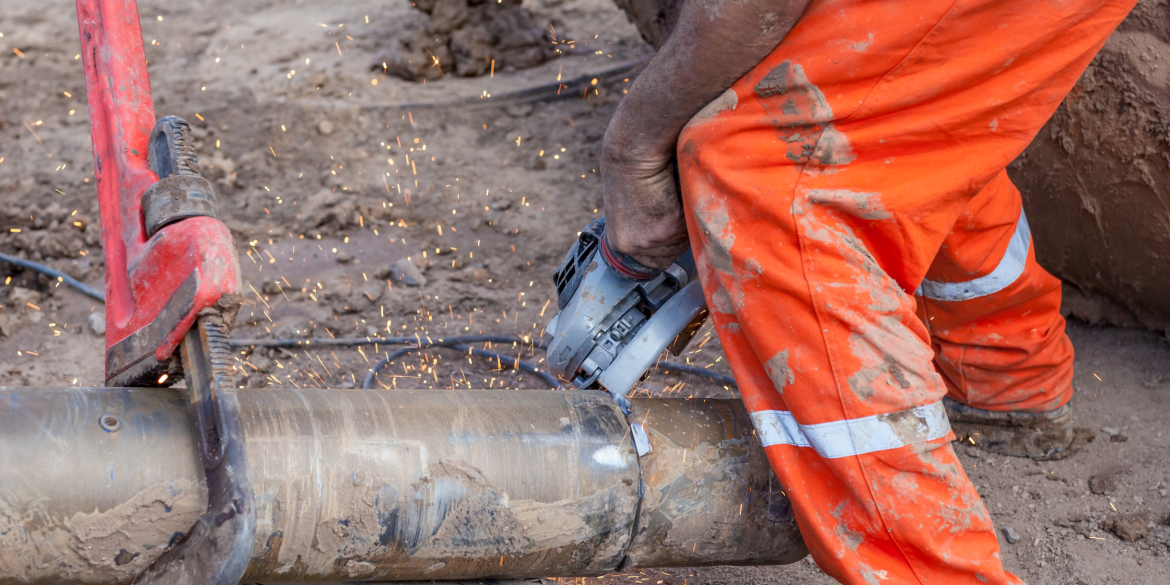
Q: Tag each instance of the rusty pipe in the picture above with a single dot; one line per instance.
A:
(390, 484)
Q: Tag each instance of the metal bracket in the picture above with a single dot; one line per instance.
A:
(172, 281)
(218, 548)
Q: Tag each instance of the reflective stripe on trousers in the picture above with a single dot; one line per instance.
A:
(845, 438)
(994, 313)
(1009, 269)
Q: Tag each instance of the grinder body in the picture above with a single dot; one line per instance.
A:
(611, 329)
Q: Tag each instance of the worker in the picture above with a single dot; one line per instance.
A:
(865, 257)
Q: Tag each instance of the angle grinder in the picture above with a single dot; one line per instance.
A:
(611, 328)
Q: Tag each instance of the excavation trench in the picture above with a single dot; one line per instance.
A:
(391, 485)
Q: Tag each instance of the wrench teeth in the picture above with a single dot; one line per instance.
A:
(180, 192)
(171, 149)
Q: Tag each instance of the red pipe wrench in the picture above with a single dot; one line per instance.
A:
(172, 283)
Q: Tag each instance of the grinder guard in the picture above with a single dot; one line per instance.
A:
(611, 329)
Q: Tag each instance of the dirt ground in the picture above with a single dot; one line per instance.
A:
(326, 178)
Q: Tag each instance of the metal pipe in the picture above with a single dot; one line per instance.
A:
(390, 484)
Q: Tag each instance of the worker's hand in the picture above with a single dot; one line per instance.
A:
(643, 214)
(712, 46)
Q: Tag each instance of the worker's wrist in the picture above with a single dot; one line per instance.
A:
(624, 264)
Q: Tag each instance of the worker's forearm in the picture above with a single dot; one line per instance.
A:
(714, 44)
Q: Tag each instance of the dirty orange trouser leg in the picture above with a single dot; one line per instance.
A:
(993, 313)
(820, 189)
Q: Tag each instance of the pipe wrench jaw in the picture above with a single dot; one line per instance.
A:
(184, 238)
(180, 210)
(172, 282)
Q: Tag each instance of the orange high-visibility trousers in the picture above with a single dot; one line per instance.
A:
(864, 254)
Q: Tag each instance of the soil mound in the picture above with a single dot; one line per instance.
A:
(468, 38)
(1096, 180)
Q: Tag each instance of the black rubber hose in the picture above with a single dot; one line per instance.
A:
(69, 280)
(398, 353)
(560, 90)
(725, 380)
(457, 343)
(425, 340)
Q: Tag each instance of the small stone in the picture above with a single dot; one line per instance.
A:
(1102, 483)
(1111, 431)
(262, 363)
(1128, 527)
(1010, 534)
(973, 452)
(407, 272)
(344, 257)
(21, 297)
(325, 127)
(97, 322)
(371, 292)
(476, 273)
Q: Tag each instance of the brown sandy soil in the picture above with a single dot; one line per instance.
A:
(485, 193)
(1098, 176)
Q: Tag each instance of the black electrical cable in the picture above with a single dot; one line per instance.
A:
(61, 276)
(421, 340)
(454, 344)
(716, 376)
(547, 92)
(458, 343)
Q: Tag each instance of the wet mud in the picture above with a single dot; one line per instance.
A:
(100, 546)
